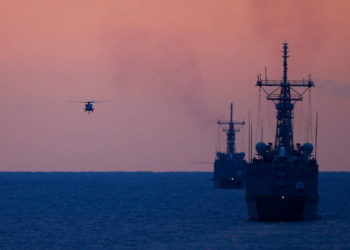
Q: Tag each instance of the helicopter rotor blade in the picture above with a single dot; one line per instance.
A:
(92, 101)
(99, 101)
(78, 101)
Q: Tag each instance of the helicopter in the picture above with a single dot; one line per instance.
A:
(89, 105)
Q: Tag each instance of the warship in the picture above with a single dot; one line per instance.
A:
(229, 166)
(282, 178)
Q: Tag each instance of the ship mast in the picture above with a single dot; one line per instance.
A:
(284, 102)
(230, 132)
(284, 129)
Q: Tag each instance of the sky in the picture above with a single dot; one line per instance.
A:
(169, 70)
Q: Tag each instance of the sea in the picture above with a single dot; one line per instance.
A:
(146, 210)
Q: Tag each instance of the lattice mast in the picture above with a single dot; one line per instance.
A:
(284, 102)
(231, 132)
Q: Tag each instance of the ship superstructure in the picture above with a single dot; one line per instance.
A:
(282, 180)
(229, 166)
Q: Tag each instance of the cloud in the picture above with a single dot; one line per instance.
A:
(328, 88)
(162, 68)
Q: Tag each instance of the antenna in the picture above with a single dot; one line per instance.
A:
(309, 115)
(316, 131)
(249, 136)
(251, 142)
(260, 120)
(285, 64)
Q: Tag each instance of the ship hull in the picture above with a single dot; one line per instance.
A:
(278, 209)
(282, 191)
(229, 174)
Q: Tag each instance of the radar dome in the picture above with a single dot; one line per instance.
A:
(307, 148)
(261, 148)
(220, 155)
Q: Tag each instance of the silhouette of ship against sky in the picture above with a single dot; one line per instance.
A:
(282, 179)
(229, 166)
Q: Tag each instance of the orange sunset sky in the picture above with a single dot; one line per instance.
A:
(170, 69)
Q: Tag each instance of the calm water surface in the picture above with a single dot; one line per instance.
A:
(156, 211)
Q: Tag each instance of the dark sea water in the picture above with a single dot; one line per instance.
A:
(156, 211)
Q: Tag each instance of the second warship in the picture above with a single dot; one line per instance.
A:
(229, 167)
(281, 182)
